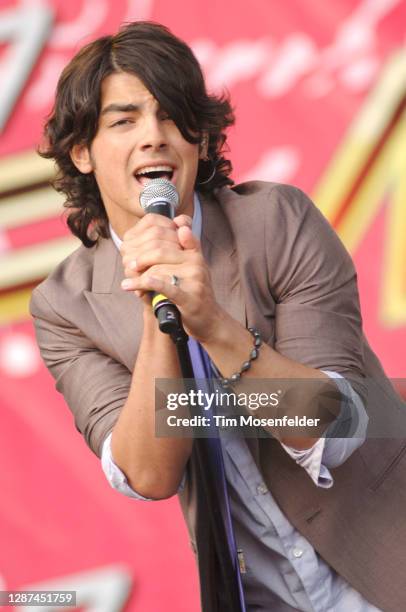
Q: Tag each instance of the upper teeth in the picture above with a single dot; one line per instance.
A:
(155, 169)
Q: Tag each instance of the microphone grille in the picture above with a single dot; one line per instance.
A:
(158, 189)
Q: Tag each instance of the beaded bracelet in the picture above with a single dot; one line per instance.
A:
(228, 382)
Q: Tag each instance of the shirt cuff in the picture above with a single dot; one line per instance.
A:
(331, 452)
(355, 419)
(114, 475)
(117, 478)
(310, 459)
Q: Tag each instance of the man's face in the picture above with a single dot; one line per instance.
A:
(135, 135)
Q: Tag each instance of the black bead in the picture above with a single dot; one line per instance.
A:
(227, 382)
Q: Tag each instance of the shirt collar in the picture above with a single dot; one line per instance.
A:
(196, 223)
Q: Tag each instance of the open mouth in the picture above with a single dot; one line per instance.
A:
(149, 174)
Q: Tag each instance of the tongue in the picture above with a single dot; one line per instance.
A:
(144, 180)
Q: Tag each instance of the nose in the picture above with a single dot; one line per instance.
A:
(154, 134)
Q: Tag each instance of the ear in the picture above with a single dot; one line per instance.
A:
(204, 146)
(80, 155)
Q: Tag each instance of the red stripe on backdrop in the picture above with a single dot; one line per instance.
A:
(35, 233)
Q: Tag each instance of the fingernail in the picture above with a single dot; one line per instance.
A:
(126, 283)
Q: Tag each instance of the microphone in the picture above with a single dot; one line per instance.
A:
(159, 196)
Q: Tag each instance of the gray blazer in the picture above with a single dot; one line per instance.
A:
(277, 265)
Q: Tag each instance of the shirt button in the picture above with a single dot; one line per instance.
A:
(297, 552)
(262, 488)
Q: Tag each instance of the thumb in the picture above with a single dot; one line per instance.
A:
(187, 239)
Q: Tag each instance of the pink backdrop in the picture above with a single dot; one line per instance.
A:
(316, 90)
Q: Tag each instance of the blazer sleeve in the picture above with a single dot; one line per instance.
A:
(94, 385)
(313, 281)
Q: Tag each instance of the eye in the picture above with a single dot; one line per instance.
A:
(122, 122)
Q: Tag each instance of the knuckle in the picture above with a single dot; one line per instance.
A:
(123, 249)
(126, 259)
(159, 220)
(156, 247)
(141, 281)
(156, 233)
(130, 272)
(184, 220)
(159, 252)
(153, 270)
(196, 258)
(200, 276)
(199, 289)
(148, 220)
(147, 256)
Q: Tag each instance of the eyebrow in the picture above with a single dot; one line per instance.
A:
(120, 108)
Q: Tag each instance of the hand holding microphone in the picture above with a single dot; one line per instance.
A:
(164, 247)
(160, 197)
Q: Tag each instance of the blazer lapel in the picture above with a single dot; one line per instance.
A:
(118, 312)
(219, 251)
(239, 271)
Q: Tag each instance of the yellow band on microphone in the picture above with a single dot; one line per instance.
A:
(159, 297)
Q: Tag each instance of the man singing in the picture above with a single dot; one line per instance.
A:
(315, 518)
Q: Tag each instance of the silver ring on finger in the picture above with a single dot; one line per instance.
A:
(175, 280)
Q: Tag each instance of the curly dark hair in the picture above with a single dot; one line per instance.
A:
(170, 71)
